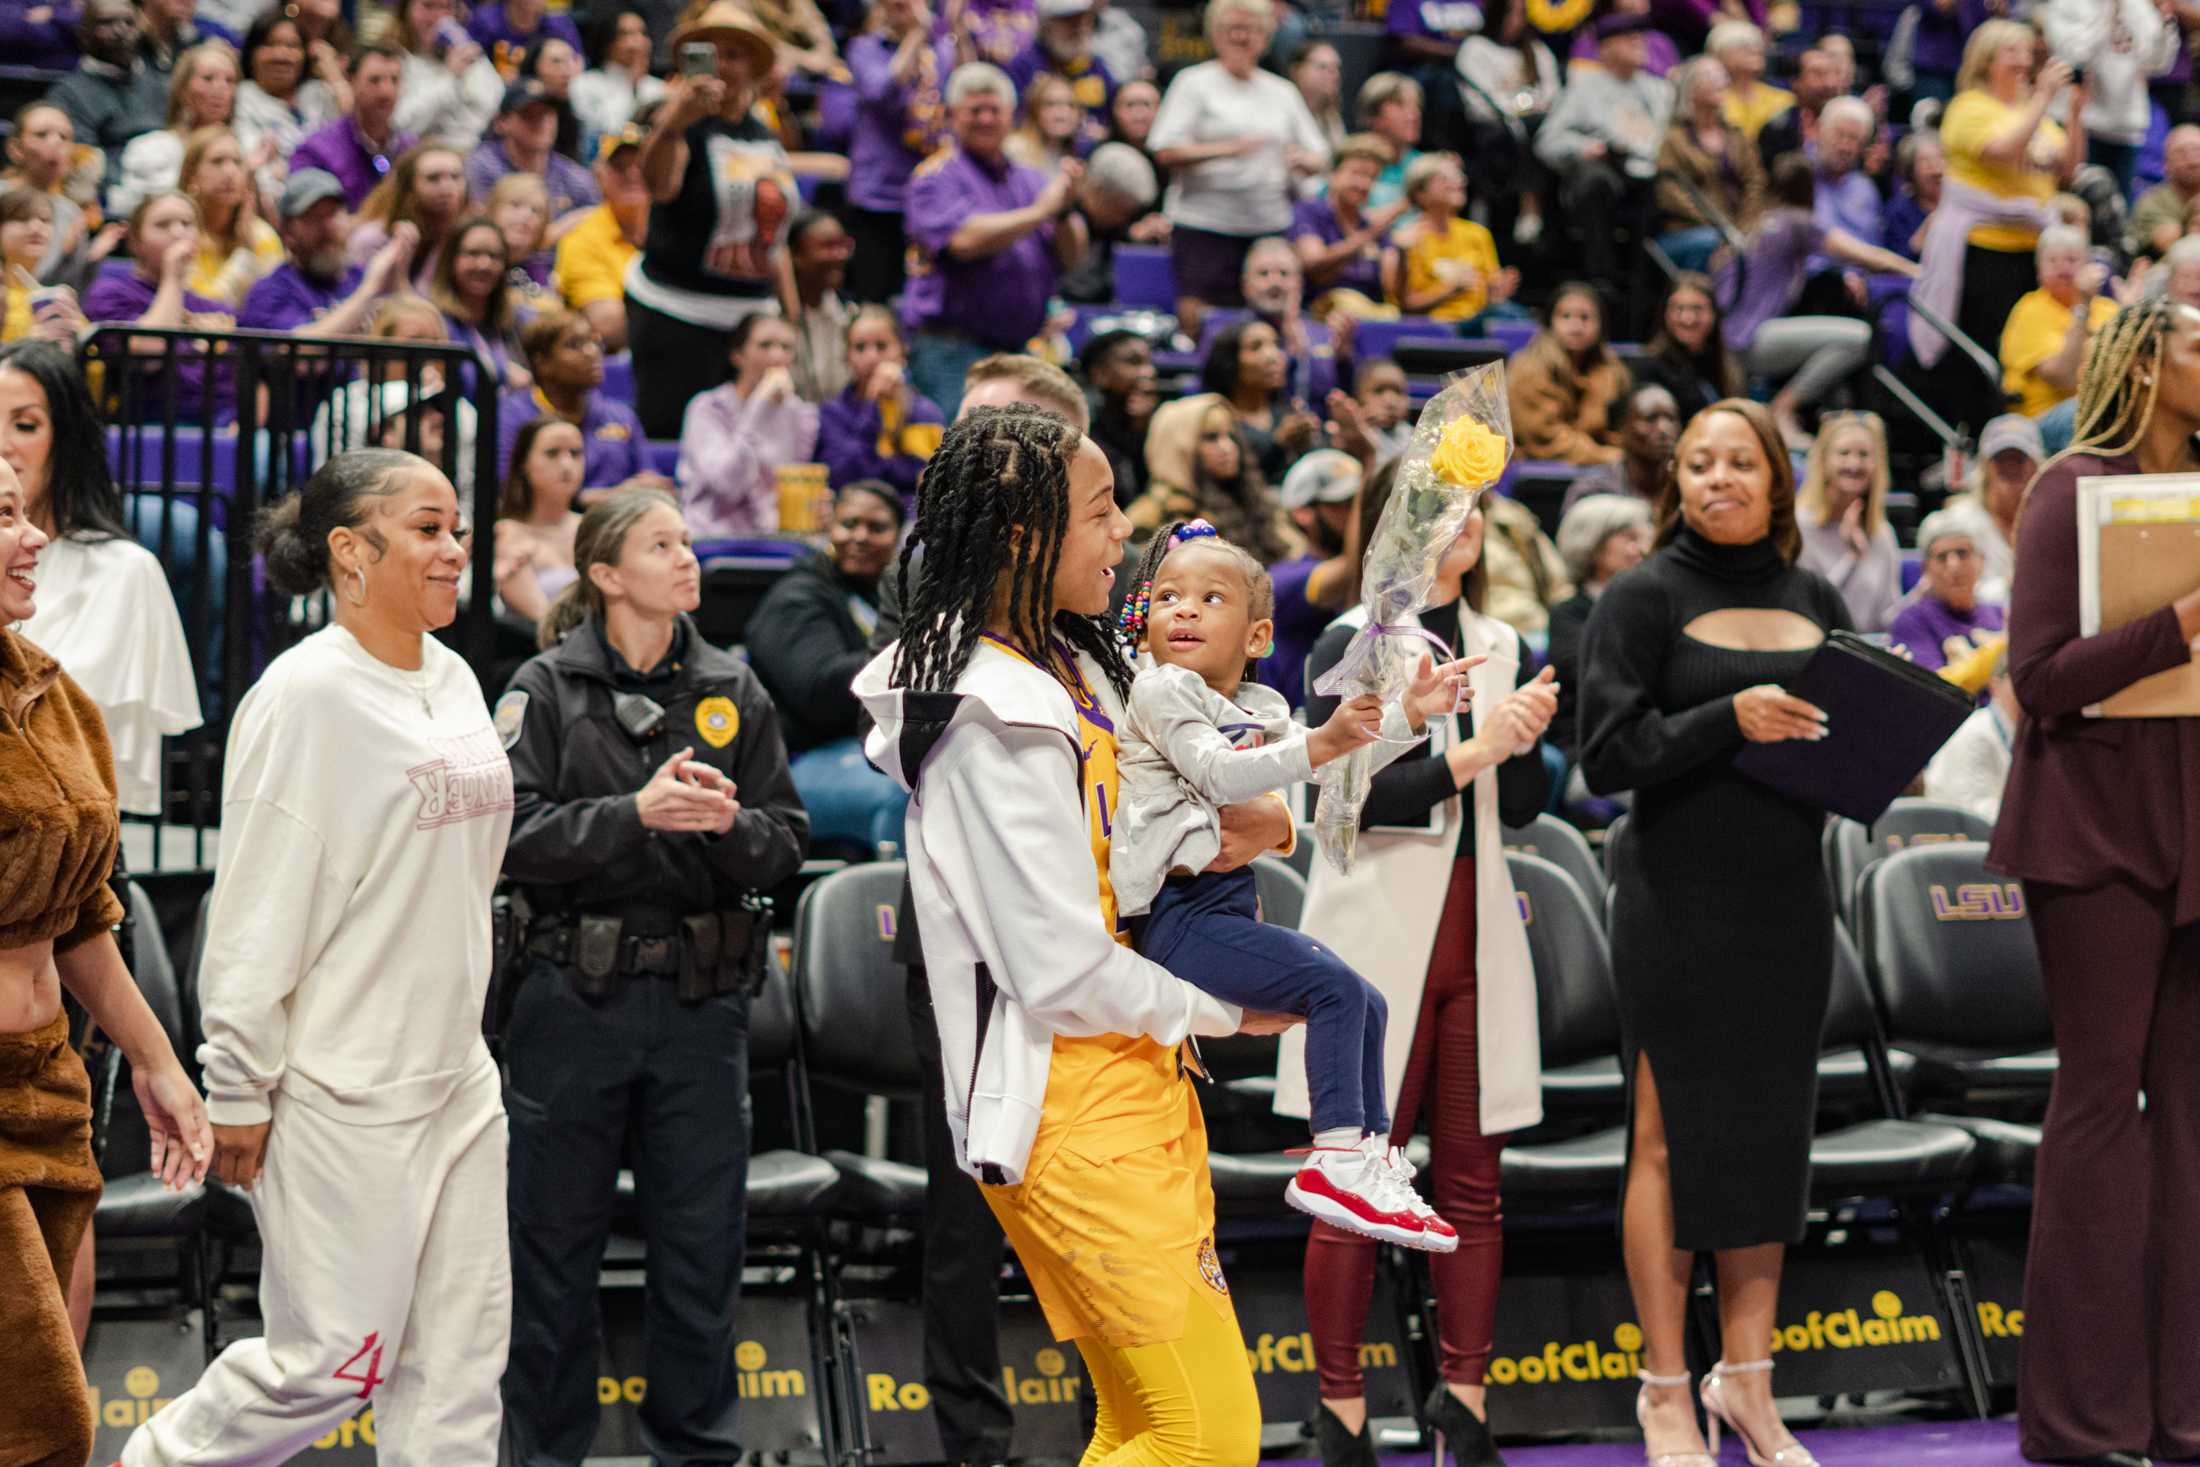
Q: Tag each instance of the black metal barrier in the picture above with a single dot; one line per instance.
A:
(208, 427)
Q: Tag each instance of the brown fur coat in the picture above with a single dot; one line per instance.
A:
(58, 826)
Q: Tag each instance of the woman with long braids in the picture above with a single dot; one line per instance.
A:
(2110, 857)
(1063, 1051)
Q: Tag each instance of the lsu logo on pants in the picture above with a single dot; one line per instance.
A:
(1978, 901)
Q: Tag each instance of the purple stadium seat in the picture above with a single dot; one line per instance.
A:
(1515, 334)
(2149, 170)
(618, 378)
(1373, 340)
(138, 457)
(664, 456)
(1913, 569)
(1144, 277)
(1894, 330)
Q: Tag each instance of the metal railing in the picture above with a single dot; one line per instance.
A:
(205, 429)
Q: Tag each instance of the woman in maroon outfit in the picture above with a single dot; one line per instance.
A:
(1428, 916)
(2102, 820)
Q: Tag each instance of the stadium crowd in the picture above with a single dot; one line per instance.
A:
(738, 271)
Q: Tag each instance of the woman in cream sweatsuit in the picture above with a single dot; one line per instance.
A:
(1064, 1053)
(364, 812)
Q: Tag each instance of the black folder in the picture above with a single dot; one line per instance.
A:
(1885, 717)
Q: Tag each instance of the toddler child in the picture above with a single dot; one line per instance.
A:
(1199, 735)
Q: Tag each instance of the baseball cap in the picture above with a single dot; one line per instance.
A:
(1325, 476)
(1621, 23)
(305, 188)
(1062, 9)
(632, 135)
(521, 95)
(2012, 430)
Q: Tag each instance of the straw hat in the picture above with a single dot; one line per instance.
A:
(725, 23)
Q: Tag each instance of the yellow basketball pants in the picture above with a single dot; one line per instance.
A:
(1120, 1250)
(1187, 1403)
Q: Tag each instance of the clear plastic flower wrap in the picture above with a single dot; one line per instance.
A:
(1460, 447)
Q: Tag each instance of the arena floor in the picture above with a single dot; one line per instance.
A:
(1933, 1444)
(1928, 1444)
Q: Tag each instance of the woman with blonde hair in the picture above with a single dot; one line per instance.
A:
(1052, 116)
(2005, 162)
(426, 189)
(236, 246)
(519, 205)
(202, 92)
(1707, 148)
(1389, 109)
(1841, 510)
(161, 242)
(1235, 139)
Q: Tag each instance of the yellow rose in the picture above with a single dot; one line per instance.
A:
(1469, 454)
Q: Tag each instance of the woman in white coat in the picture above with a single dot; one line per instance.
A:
(1427, 914)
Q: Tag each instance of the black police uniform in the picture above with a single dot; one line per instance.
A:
(624, 1022)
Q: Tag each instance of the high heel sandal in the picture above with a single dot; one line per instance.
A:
(1716, 1412)
(1642, 1419)
(1452, 1425)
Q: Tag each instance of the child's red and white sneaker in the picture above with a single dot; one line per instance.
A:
(1444, 1238)
(1357, 1189)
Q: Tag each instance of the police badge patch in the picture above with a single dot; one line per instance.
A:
(1210, 1267)
(511, 716)
(717, 719)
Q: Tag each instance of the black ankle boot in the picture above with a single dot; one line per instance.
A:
(1339, 1447)
(1466, 1434)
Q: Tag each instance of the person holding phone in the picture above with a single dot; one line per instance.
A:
(653, 802)
(450, 89)
(725, 194)
(31, 307)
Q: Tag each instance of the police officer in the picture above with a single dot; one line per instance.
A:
(652, 804)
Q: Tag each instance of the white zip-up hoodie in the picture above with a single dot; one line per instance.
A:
(1006, 891)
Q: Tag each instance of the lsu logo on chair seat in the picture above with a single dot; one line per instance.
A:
(1978, 901)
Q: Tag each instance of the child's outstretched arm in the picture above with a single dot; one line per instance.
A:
(1170, 709)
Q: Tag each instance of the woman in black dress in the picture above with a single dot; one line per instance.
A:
(1722, 933)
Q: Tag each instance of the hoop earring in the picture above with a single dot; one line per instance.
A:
(360, 599)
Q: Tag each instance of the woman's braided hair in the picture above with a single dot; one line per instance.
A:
(996, 470)
(2114, 404)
